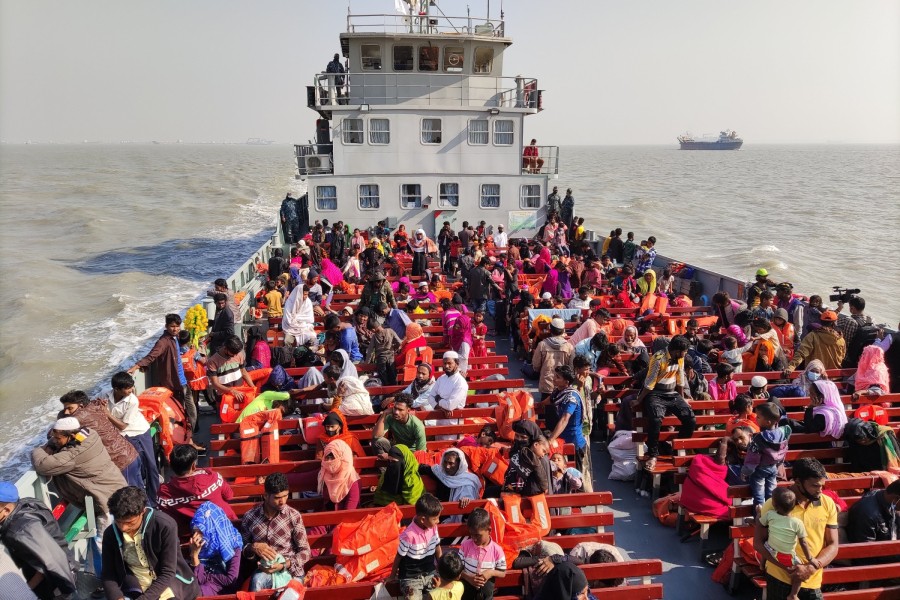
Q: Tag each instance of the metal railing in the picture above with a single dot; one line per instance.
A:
(314, 159)
(550, 166)
(424, 89)
(434, 24)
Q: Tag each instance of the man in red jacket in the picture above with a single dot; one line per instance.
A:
(190, 487)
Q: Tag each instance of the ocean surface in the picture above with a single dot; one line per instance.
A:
(99, 242)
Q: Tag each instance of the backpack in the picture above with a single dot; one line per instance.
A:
(864, 336)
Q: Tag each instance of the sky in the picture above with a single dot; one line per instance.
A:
(614, 72)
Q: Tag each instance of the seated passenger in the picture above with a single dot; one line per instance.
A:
(400, 482)
(873, 519)
(871, 447)
(334, 427)
(190, 487)
(456, 483)
(404, 427)
(338, 479)
(531, 159)
(141, 554)
(215, 551)
(419, 388)
(275, 537)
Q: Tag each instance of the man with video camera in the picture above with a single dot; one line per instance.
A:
(856, 329)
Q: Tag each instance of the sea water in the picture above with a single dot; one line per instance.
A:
(99, 242)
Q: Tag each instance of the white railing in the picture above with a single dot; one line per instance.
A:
(433, 24)
(550, 166)
(424, 89)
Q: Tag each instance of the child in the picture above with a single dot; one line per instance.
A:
(419, 547)
(123, 411)
(742, 414)
(784, 533)
(274, 302)
(565, 479)
(765, 308)
(723, 386)
(482, 557)
(447, 585)
(732, 354)
(314, 288)
(382, 351)
(765, 455)
(629, 249)
(479, 345)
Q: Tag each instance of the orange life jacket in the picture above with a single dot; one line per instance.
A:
(230, 409)
(158, 404)
(365, 549)
(513, 406)
(540, 510)
(194, 372)
(259, 438)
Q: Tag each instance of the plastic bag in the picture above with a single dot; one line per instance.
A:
(624, 456)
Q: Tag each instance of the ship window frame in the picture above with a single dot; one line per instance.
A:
(319, 198)
(439, 130)
(487, 67)
(360, 196)
(482, 196)
(448, 53)
(511, 133)
(404, 196)
(523, 196)
(486, 132)
(412, 57)
(444, 198)
(363, 58)
(345, 131)
(436, 59)
(373, 132)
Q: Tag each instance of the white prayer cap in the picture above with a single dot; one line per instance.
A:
(67, 424)
(557, 323)
(546, 296)
(758, 381)
(451, 354)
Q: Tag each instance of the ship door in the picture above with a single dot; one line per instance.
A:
(444, 215)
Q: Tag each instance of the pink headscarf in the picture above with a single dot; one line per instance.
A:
(872, 370)
(831, 408)
(332, 273)
(551, 282)
(542, 262)
(460, 332)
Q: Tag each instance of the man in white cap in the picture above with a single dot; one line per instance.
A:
(554, 351)
(449, 391)
(546, 300)
(501, 240)
(79, 464)
(31, 534)
(758, 387)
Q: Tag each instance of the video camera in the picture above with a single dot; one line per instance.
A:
(842, 295)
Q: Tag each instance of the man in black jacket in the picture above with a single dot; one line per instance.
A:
(875, 518)
(37, 546)
(158, 570)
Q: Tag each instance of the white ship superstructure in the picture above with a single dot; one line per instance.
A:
(425, 128)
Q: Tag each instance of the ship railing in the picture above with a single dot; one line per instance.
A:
(314, 159)
(550, 156)
(433, 24)
(424, 89)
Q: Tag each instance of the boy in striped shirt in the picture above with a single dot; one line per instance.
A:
(482, 557)
(419, 550)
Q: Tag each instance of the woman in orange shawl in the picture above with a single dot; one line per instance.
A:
(415, 338)
(334, 427)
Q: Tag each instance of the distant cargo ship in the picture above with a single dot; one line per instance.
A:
(259, 142)
(727, 140)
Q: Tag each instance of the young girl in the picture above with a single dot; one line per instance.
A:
(723, 386)
(784, 533)
(742, 414)
(561, 239)
(666, 284)
(479, 344)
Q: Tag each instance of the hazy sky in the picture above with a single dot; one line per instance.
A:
(615, 72)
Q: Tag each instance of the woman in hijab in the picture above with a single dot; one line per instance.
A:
(630, 341)
(353, 398)
(299, 317)
(456, 483)
(215, 551)
(825, 414)
(400, 481)
(529, 469)
(259, 355)
(647, 283)
(871, 447)
(461, 341)
(338, 358)
(766, 353)
(420, 387)
(418, 244)
(400, 236)
(541, 264)
(449, 315)
(565, 582)
(338, 479)
(872, 377)
(551, 283)
(334, 427)
(414, 338)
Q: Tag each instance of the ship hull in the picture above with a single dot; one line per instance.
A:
(711, 145)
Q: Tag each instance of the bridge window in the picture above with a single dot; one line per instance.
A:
(503, 132)
(478, 132)
(490, 195)
(431, 131)
(428, 58)
(352, 131)
(379, 131)
(326, 197)
(530, 197)
(484, 60)
(371, 57)
(449, 195)
(411, 195)
(454, 57)
(368, 196)
(403, 58)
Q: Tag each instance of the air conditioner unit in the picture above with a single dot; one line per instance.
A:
(317, 163)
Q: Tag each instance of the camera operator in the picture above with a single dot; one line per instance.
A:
(856, 329)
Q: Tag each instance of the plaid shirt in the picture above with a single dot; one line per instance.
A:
(847, 326)
(284, 532)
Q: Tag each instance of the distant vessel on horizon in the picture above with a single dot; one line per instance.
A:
(259, 142)
(727, 140)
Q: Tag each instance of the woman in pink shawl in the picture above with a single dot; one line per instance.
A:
(461, 340)
(825, 414)
(871, 375)
(331, 273)
(542, 262)
(705, 490)
(551, 283)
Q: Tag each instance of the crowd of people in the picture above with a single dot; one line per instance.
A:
(529, 290)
